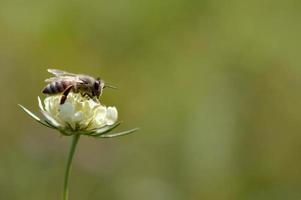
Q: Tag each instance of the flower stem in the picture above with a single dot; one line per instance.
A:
(68, 166)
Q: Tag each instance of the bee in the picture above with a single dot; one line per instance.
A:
(64, 82)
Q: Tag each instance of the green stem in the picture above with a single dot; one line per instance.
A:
(68, 166)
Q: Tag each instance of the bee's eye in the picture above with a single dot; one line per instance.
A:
(96, 85)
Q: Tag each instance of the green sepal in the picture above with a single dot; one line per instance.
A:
(104, 130)
(123, 133)
(34, 116)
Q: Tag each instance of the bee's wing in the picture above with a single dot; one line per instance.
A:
(58, 72)
(64, 78)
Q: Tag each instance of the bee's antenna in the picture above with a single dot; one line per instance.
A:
(110, 86)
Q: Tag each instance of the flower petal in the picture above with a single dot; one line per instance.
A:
(79, 116)
(52, 104)
(40, 104)
(111, 116)
(50, 119)
(66, 111)
(99, 117)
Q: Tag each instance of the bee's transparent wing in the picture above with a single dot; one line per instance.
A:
(58, 72)
(64, 79)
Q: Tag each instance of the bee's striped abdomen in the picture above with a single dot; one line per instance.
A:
(56, 87)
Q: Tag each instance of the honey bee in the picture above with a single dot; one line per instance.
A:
(64, 82)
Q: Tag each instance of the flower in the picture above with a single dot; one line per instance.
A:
(78, 115)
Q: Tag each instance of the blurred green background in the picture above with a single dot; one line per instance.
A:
(213, 85)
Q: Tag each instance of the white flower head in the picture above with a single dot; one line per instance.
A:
(78, 115)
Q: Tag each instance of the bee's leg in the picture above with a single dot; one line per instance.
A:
(85, 94)
(65, 94)
(90, 96)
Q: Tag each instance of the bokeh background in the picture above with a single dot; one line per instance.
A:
(213, 85)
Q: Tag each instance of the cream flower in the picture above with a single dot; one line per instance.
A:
(78, 115)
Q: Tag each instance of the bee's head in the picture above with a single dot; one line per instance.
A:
(97, 87)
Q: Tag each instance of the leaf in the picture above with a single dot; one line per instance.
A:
(118, 134)
(33, 116)
(104, 130)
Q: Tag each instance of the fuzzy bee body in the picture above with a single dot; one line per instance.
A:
(56, 87)
(64, 82)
